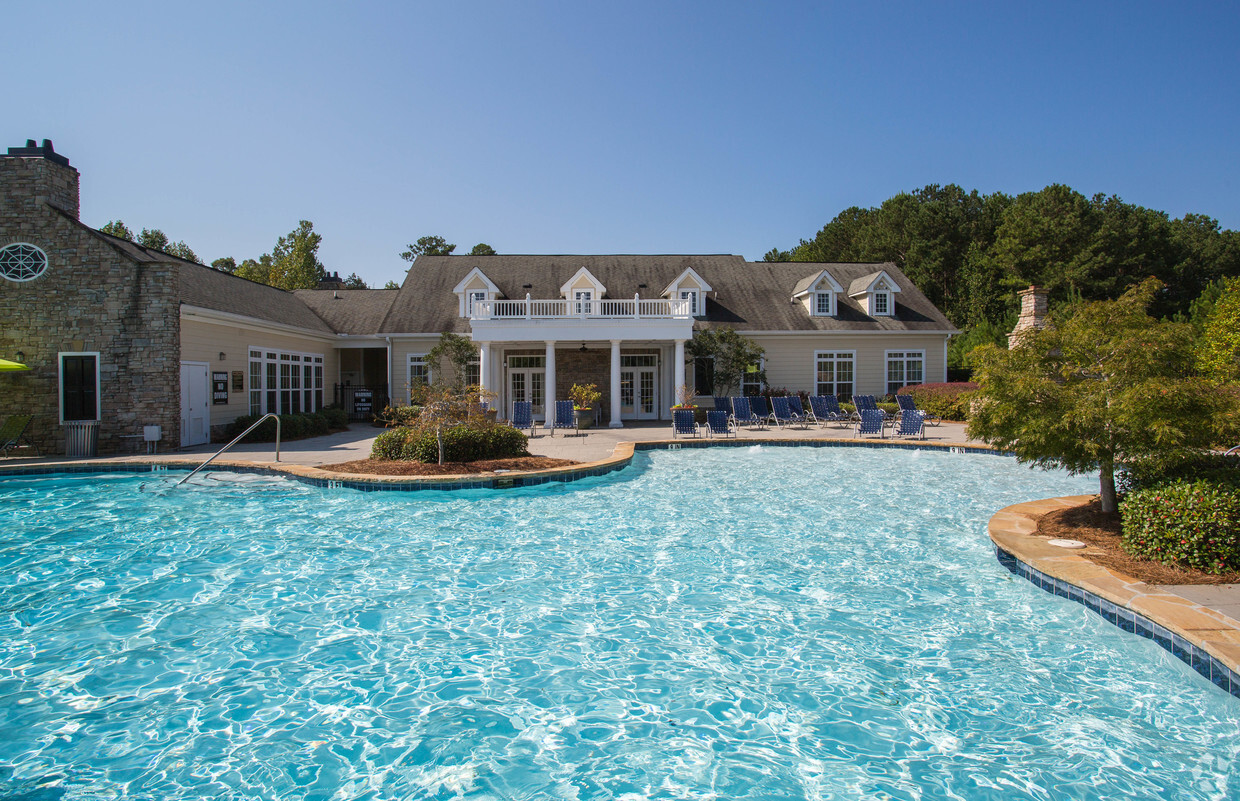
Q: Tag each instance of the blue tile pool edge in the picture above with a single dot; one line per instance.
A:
(1200, 660)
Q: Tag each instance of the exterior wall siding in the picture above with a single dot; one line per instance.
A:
(790, 358)
(203, 341)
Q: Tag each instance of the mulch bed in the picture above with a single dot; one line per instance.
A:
(1102, 533)
(381, 467)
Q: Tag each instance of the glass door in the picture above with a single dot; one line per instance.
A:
(527, 378)
(639, 387)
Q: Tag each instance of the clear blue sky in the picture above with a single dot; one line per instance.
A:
(582, 127)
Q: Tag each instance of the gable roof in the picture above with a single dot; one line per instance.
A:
(749, 296)
(866, 283)
(808, 282)
(349, 311)
(212, 289)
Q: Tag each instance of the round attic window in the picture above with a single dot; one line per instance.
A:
(22, 262)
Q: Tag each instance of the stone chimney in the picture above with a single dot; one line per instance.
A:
(38, 175)
(1033, 308)
(331, 281)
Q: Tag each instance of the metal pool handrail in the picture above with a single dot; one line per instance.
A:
(1230, 451)
(257, 423)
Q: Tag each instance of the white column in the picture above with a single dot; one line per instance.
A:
(549, 381)
(615, 385)
(484, 366)
(679, 366)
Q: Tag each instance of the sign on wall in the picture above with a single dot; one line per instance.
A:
(219, 389)
(238, 381)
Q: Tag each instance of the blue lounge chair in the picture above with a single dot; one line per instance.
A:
(826, 409)
(871, 422)
(683, 424)
(564, 417)
(798, 409)
(523, 417)
(724, 404)
(781, 413)
(908, 404)
(760, 408)
(910, 424)
(719, 424)
(742, 414)
(864, 402)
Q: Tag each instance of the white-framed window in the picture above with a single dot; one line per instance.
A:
(639, 360)
(704, 375)
(285, 382)
(79, 386)
(751, 381)
(526, 362)
(419, 370)
(691, 295)
(834, 372)
(472, 298)
(905, 368)
(473, 373)
(582, 301)
(880, 304)
(824, 304)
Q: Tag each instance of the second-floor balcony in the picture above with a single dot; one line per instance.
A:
(630, 319)
(635, 308)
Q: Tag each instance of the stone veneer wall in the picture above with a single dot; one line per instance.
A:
(92, 298)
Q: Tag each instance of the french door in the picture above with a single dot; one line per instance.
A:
(528, 384)
(639, 393)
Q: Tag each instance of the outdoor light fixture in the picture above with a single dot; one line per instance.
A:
(20, 358)
(221, 355)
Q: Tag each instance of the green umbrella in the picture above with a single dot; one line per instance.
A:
(6, 365)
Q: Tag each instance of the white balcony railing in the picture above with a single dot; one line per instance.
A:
(534, 309)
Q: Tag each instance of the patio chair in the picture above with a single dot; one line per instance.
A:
(910, 424)
(760, 408)
(523, 417)
(908, 404)
(13, 434)
(724, 404)
(742, 414)
(863, 402)
(826, 409)
(871, 422)
(564, 417)
(683, 424)
(781, 413)
(719, 424)
(798, 409)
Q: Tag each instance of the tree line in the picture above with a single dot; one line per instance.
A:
(969, 252)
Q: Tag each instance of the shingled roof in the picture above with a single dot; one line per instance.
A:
(349, 311)
(750, 296)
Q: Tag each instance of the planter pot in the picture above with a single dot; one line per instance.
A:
(584, 418)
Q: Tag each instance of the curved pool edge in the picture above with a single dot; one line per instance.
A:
(621, 457)
(1204, 638)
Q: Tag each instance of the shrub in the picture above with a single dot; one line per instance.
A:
(948, 401)
(1196, 524)
(292, 426)
(398, 416)
(316, 424)
(1155, 470)
(336, 416)
(461, 443)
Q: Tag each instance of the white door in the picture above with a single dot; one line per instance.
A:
(638, 393)
(195, 397)
(526, 384)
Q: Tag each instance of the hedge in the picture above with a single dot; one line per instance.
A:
(948, 401)
(460, 444)
(292, 426)
(1153, 471)
(1195, 524)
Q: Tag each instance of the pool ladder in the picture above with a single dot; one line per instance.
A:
(257, 423)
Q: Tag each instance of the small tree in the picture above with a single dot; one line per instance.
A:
(482, 249)
(428, 246)
(455, 350)
(1106, 383)
(735, 357)
(1218, 352)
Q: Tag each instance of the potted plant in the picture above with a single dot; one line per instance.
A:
(584, 398)
(684, 398)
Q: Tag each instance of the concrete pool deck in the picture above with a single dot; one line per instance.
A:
(1207, 616)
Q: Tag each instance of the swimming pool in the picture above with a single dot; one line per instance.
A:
(722, 623)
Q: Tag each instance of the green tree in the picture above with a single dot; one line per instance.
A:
(1218, 350)
(428, 246)
(775, 254)
(118, 228)
(1105, 383)
(455, 350)
(482, 249)
(258, 270)
(153, 238)
(225, 264)
(354, 281)
(735, 356)
(391, 285)
(294, 260)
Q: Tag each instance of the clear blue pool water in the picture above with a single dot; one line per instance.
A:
(769, 623)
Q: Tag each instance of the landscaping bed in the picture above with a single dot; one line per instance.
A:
(384, 467)
(1102, 533)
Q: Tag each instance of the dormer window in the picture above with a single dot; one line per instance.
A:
(473, 288)
(881, 304)
(475, 296)
(582, 301)
(691, 295)
(824, 304)
(817, 293)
